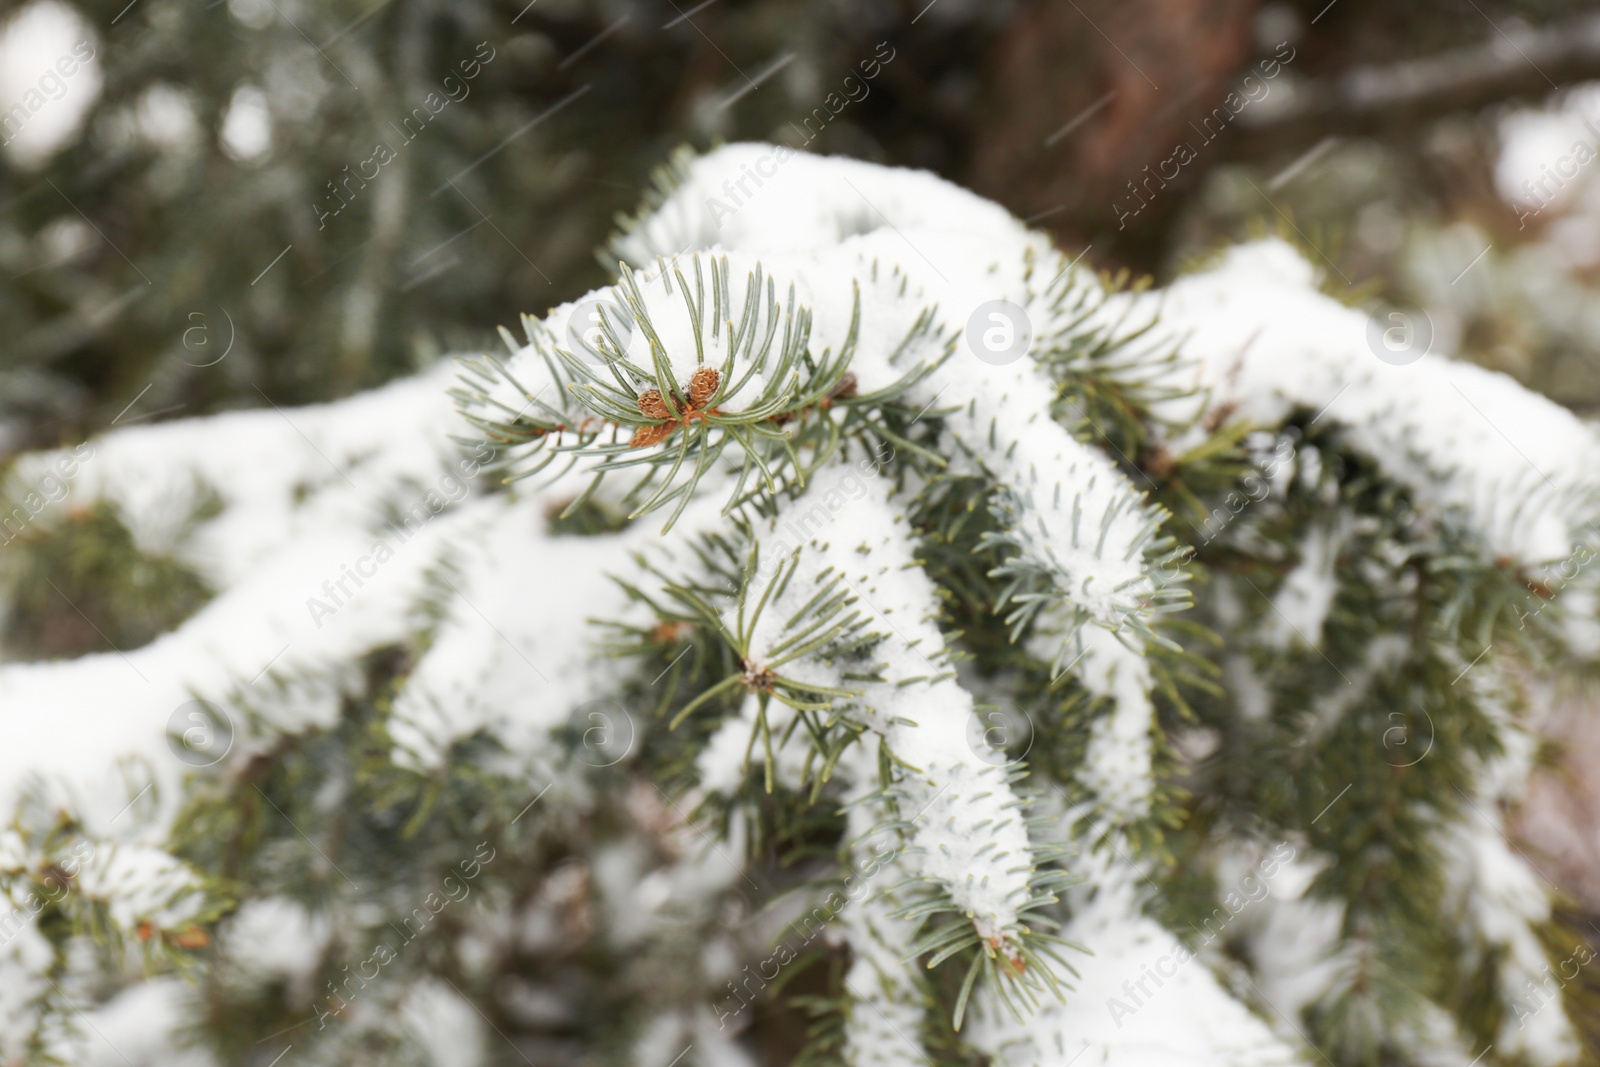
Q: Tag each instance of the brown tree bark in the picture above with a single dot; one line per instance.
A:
(1085, 93)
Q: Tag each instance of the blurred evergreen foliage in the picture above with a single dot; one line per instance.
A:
(150, 243)
(74, 584)
(156, 241)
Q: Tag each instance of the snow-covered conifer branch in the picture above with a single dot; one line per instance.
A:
(875, 540)
(665, 384)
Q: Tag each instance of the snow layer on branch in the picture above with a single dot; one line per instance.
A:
(1504, 897)
(118, 705)
(133, 884)
(1070, 513)
(139, 883)
(142, 1024)
(446, 1025)
(1116, 767)
(514, 653)
(1303, 601)
(966, 832)
(1073, 520)
(668, 1036)
(308, 496)
(1181, 1017)
(307, 493)
(721, 764)
(1518, 467)
(25, 960)
(278, 939)
(884, 1020)
(308, 588)
(807, 202)
(1505, 904)
(282, 475)
(1293, 939)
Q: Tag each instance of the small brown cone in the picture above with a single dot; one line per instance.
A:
(667, 631)
(703, 386)
(652, 406)
(190, 937)
(645, 436)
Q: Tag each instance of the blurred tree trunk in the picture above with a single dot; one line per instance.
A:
(1085, 94)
